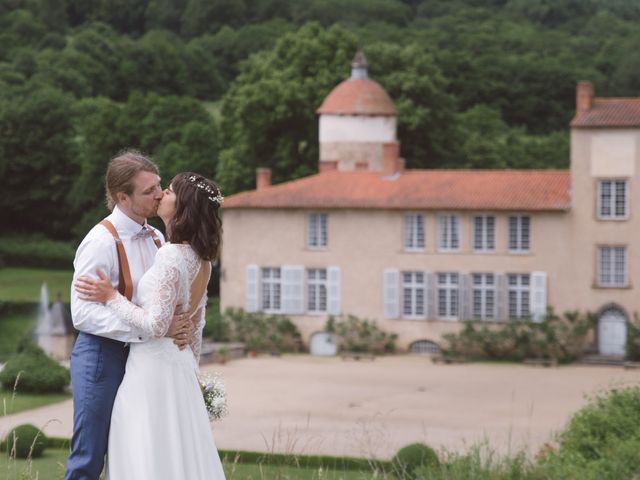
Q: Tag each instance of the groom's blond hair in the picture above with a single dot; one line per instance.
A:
(120, 172)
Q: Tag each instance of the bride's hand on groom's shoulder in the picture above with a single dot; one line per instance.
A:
(95, 290)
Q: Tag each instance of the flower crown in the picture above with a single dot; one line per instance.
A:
(215, 197)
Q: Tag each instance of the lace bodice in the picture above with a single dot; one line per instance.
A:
(163, 287)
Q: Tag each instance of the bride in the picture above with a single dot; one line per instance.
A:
(159, 426)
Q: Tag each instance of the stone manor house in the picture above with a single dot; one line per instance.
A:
(422, 251)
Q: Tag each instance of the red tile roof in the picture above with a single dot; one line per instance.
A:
(361, 96)
(610, 112)
(541, 190)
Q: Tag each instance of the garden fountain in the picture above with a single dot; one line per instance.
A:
(54, 332)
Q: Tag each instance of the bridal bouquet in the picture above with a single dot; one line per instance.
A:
(215, 395)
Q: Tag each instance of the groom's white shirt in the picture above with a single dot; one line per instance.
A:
(98, 251)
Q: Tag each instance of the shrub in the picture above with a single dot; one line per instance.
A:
(562, 338)
(29, 441)
(413, 456)
(262, 332)
(216, 326)
(633, 338)
(36, 251)
(360, 335)
(601, 441)
(606, 420)
(32, 370)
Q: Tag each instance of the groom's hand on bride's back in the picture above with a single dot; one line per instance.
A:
(181, 328)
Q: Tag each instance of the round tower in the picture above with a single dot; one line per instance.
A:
(356, 119)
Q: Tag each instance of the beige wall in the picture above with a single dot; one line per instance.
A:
(363, 243)
(602, 154)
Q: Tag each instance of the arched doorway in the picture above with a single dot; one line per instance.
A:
(323, 343)
(612, 332)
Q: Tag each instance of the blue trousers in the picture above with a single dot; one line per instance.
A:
(97, 368)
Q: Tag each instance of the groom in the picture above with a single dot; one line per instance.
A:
(124, 248)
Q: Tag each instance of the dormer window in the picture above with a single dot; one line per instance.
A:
(613, 200)
(317, 232)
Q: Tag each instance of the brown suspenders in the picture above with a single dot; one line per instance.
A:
(125, 284)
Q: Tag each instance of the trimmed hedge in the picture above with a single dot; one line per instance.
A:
(33, 371)
(413, 456)
(36, 252)
(28, 440)
(305, 461)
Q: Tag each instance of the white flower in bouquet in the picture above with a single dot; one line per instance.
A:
(214, 394)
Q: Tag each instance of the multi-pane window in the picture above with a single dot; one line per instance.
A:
(483, 296)
(612, 199)
(317, 290)
(317, 237)
(519, 233)
(271, 289)
(413, 291)
(414, 231)
(448, 232)
(612, 266)
(484, 233)
(448, 295)
(519, 290)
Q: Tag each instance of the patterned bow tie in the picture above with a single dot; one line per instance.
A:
(142, 234)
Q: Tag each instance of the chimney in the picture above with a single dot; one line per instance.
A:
(585, 94)
(327, 166)
(390, 158)
(263, 178)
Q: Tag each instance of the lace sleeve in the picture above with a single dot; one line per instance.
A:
(199, 319)
(155, 318)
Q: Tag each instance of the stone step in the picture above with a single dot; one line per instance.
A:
(603, 360)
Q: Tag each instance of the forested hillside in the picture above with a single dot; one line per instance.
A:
(224, 86)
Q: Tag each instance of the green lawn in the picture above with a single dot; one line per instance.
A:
(51, 467)
(23, 284)
(26, 401)
(13, 329)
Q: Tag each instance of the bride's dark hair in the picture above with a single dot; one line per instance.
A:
(196, 220)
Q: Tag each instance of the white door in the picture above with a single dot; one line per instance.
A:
(323, 343)
(612, 333)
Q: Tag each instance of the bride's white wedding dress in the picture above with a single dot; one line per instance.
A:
(159, 426)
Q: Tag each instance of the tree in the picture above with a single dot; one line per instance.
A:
(425, 110)
(208, 16)
(36, 160)
(268, 114)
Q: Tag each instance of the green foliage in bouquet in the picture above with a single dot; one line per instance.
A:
(26, 441)
(262, 332)
(561, 338)
(360, 335)
(32, 370)
(411, 457)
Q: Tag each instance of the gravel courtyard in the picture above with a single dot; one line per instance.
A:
(314, 405)
(310, 405)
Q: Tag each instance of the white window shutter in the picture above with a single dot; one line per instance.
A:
(334, 306)
(538, 296)
(251, 288)
(429, 296)
(501, 297)
(463, 297)
(391, 279)
(293, 289)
